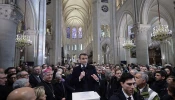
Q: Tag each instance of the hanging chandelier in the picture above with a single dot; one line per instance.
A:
(22, 40)
(128, 44)
(160, 32)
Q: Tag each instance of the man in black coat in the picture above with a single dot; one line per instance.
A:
(84, 76)
(160, 85)
(35, 77)
(127, 92)
(48, 86)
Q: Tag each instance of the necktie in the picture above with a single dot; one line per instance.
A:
(38, 79)
(129, 98)
(83, 68)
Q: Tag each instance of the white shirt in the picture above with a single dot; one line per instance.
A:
(82, 65)
(127, 95)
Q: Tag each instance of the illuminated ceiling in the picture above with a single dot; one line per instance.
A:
(76, 12)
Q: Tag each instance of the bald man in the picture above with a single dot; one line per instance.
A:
(24, 93)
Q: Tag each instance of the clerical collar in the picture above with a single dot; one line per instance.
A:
(127, 95)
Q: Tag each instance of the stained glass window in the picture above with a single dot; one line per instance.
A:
(68, 32)
(80, 35)
(74, 33)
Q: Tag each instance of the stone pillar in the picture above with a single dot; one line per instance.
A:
(41, 33)
(96, 32)
(142, 45)
(173, 41)
(31, 54)
(166, 52)
(121, 49)
(163, 52)
(9, 17)
(57, 31)
(128, 56)
(114, 58)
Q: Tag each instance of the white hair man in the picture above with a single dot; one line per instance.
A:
(142, 86)
(22, 82)
(47, 79)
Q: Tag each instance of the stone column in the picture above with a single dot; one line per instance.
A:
(9, 17)
(166, 52)
(31, 54)
(173, 41)
(114, 56)
(128, 56)
(142, 45)
(96, 32)
(163, 52)
(121, 49)
(57, 31)
(41, 33)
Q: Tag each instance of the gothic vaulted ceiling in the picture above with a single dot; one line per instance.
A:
(76, 12)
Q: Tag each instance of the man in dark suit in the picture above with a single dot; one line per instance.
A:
(127, 92)
(84, 76)
(35, 78)
(99, 73)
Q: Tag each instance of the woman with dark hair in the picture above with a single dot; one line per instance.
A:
(170, 79)
(171, 92)
(168, 70)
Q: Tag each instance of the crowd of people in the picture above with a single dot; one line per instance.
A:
(111, 82)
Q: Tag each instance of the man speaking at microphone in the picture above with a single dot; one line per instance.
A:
(84, 76)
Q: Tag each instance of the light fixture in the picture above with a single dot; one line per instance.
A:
(160, 32)
(23, 40)
(128, 44)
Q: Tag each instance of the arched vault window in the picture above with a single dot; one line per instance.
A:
(80, 35)
(74, 33)
(68, 32)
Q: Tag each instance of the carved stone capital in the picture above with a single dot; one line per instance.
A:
(143, 28)
(10, 12)
(31, 32)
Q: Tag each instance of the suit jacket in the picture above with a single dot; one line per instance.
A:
(60, 90)
(120, 96)
(87, 83)
(105, 90)
(49, 90)
(33, 81)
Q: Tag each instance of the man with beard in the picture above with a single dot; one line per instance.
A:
(160, 85)
(127, 92)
